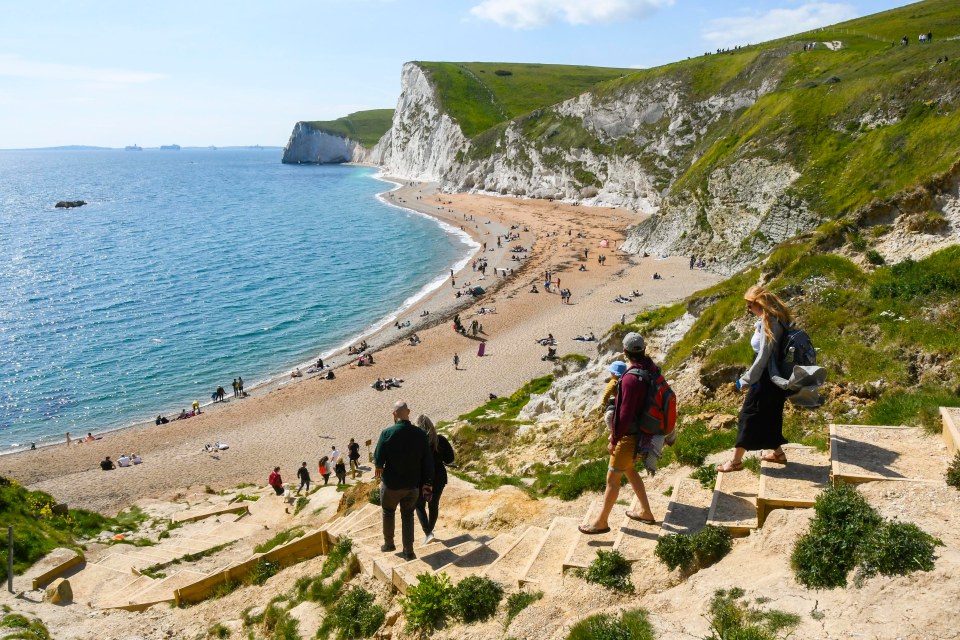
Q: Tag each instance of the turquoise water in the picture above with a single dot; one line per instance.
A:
(185, 270)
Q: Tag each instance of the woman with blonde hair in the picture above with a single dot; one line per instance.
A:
(442, 456)
(760, 423)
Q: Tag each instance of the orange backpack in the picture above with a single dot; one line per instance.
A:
(658, 412)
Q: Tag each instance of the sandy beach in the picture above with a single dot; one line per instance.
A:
(290, 421)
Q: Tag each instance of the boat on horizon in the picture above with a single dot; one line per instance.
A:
(133, 147)
(169, 147)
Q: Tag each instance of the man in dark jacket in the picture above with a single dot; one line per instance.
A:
(404, 465)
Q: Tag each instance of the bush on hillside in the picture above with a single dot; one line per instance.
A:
(631, 625)
(356, 615)
(953, 472)
(846, 532)
(732, 618)
(16, 626)
(609, 569)
(476, 598)
(519, 601)
(692, 553)
(427, 604)
(706, 475)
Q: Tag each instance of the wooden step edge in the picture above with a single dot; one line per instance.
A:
(555, 524)
(529, 531)
(950, 432)
(399, 570)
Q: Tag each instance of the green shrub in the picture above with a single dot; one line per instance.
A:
(374, 496)
(874, 257)
(356, 614)
(706, 475)
(336, 557)
(691, 553)
(244, 497)
(824, 556)
(263, 571)
(895, 549)
(22, 628)
(476, 598)
(953, 472)
(427, 604)
(218, 631)
(632, 625)
(302, 502)
(733, 619)
(517, 602)
(609, 569)
(847, 532)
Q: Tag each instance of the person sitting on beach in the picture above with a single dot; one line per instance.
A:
(276, 481)
(296, 373)
(136, 459)
(352, 350)
(534, 289)
(159, 419)
(123, 460)
(319, 363)
(330, 375)
(90, 438)
(107, 464)
(183, 415)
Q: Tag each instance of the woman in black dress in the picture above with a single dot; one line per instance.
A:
(442, 456)
(760, 424)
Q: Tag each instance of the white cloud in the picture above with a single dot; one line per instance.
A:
(531, 14)
(776, 23)
(16, 67)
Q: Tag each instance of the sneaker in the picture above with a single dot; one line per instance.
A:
(409, 555)
(430, 538)
(386, 548)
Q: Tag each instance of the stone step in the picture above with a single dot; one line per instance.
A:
(734, 503)
(405, 575)
(509, 567)
(381, 564)
(123, 562)
(118, 597)
(336, 527)
(479, 560)
(794, 485)
(191, 515)
(866, 453)
(546, 565)
(951, 428)
(636, 540)
(229, 531)
(96, 579)
(163, 590)
(584, 548)
(688, 509)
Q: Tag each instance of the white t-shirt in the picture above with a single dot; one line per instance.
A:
(334, 457)
(123, 461)
(757, 338)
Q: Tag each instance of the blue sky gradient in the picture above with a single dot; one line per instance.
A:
(242, 72)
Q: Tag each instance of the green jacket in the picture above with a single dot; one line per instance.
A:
(403, 452)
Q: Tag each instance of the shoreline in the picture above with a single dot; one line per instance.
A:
(280, 380)
(294, 420)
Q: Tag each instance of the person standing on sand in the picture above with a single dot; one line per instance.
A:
(276, 481)
(68, 439)
(760, 423)
(235, 387)
(404, 466)
(240, 386)
(353, 452)
(304, 475)
(456, 362)
(624, 438)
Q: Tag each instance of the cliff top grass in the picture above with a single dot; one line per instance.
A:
(479, 95)
(366, 127)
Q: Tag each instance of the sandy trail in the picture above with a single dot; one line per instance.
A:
(287, 422)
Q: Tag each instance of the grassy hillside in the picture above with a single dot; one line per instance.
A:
(479, 95)
(859, 123)
(366, 127)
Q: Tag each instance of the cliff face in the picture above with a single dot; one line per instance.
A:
(312, 146)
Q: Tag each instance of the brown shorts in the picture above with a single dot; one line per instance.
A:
(624, 454)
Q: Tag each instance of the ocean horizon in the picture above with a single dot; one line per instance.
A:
(184, 271)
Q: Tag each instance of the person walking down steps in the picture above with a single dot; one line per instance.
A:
(303, 474)
(404, 466)
(442, 456)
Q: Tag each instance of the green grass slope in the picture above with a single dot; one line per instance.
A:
(860, 123)
(479, 95)
(366, 127)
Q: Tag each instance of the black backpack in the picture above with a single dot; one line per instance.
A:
(796, 349)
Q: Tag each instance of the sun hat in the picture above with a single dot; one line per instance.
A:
(634, 343)
(617, 368)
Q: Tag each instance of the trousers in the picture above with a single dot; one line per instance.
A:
(406, 499)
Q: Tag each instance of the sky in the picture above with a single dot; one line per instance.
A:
(212, 72)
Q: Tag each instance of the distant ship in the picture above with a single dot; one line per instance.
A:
(169, 147)
(133, 147)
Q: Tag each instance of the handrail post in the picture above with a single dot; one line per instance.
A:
(10, 558)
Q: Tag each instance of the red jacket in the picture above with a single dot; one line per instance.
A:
(630, 397)
(275, 480)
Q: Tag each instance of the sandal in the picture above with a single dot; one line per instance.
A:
(730, 466)
(773, 456)
(633, 516)
(591, 530)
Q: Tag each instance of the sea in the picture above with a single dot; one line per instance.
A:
(185, 270)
